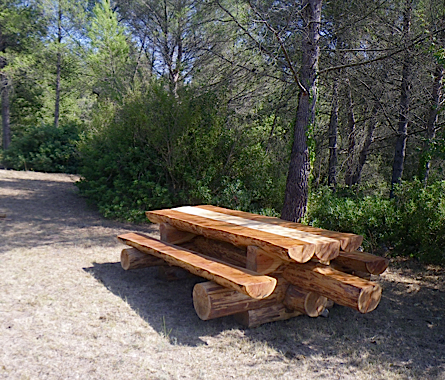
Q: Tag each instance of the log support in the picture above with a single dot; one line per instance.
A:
(309, 303)
(259, 261)
(172, 235)
(257, 317)
(342, 288)
(131, 258)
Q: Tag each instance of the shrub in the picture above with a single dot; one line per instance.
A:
(412, 224)
(158, 150)
(44, 148)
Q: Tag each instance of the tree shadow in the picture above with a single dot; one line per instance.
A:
(167, 306)
(43, 212)
(405, 331)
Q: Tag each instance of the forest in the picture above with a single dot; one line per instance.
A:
(326, 112)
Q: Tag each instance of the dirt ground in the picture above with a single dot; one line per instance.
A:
(69, 311)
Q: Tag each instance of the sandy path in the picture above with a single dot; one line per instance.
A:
(68, 311)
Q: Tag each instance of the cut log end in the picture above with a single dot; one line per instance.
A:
(201, 302)
(306, 302)
(377, 267)
(328, 251)
(260, 291)
(302, 254)
(369, 298)
(314, 304)
(131, 258)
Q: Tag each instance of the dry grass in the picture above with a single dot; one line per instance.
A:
(68, 311)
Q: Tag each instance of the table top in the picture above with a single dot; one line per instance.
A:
(289, 241)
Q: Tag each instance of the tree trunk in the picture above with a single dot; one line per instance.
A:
(59, 67)
(432, 118)
(296, 193)
(363, 155)
(333, 130)
(405, 99)
(5, 109)
(351, 138)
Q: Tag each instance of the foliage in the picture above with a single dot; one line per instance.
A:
(159, 151)
(108, 58)
(412, 224)
(44, 148)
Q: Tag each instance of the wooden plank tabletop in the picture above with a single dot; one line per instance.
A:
(288, 244)
(349, 242)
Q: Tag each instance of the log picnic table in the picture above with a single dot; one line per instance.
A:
(259, 269)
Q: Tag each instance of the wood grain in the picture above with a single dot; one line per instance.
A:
(257, 317)
(240, 279)
(131, 258)
(309, 303)
(361, 262)
(342, 288)
(285, 248)
(348, 241)
(213, 301)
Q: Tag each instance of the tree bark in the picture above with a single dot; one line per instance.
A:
(296, 193)
(342, 288)
(6, 127)
(432, 118)
(59, 66)
(405, 99)
(333, 130)
(363, 154)
(213, 301)
(351, 138)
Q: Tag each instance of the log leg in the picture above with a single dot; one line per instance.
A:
(131, 258)
(305, 302)
(259, 261)
(172, 235)
(213, 301)
(342, 288)
(172, 273)
(257, 317)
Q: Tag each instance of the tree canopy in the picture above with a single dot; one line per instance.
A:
(260, 105)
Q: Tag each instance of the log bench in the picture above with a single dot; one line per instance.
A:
(259, 269)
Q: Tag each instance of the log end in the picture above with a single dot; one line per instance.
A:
(260, 290)
(315, 304)
(369, 298)
(201, 302)
(125, 258)
(328, 251)
(302, 253)
(378, 266)
(352, 243)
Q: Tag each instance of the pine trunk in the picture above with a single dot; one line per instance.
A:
(351, 138)
(432, 118)
(363, 155)
(6, 127)
(59, 67)
(405, 99)
(296, 194)
(333, 130)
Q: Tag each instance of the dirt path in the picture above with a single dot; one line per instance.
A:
(68, 310)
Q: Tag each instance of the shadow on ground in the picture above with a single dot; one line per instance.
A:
(406, 330)
(43, 212)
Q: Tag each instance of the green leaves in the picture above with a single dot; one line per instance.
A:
(412, 224)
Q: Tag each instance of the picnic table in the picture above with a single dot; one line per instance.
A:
(259, 268)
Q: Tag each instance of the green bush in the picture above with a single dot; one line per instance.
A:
(158, 150)
(412, 224)
(44, 148)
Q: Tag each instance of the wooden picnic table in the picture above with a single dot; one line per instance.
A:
(259, 268)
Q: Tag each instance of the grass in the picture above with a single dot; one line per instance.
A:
(68, 310)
